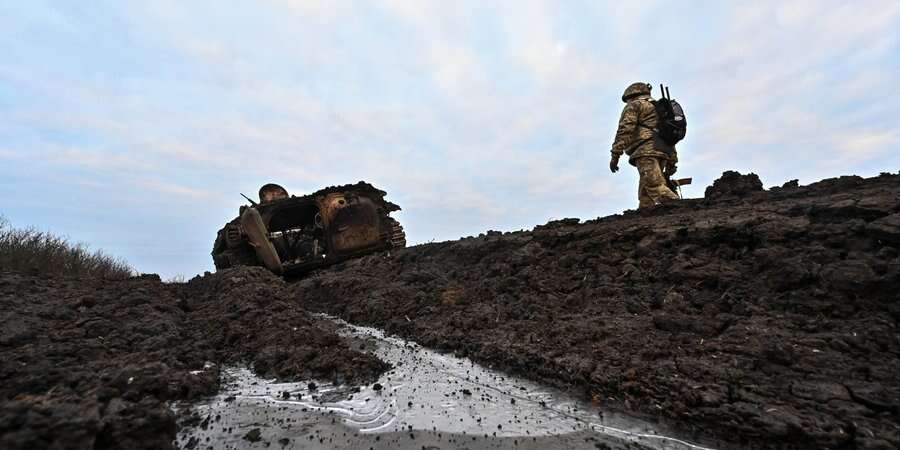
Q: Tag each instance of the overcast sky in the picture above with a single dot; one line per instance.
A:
(134, 126)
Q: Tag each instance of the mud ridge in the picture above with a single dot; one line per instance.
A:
(93, 364)
(761, 318)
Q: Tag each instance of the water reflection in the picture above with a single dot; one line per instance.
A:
(425, 391)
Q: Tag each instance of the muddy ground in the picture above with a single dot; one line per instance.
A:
(760, 318)
(91, 364)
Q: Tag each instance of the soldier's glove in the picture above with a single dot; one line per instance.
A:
(614, 163)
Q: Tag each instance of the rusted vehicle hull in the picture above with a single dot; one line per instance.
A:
(297, 234)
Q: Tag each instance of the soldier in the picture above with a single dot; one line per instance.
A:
(271, 192)
(252, 223)
(655, 160)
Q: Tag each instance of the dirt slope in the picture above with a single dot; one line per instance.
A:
(91, 364)
(764, 319)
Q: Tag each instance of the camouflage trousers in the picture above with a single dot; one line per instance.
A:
(652, 189)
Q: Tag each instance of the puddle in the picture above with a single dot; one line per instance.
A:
(427, 396)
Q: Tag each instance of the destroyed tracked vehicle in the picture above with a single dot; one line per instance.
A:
(291, 235)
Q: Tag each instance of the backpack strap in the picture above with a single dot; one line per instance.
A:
(653, 104)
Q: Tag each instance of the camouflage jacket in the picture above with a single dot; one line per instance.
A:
(635, 136)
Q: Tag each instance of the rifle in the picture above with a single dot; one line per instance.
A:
(676, 184)
(252, 203)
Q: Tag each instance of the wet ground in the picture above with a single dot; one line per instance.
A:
(750, 319)
(93, 364)
(428, 399)
(764, 318)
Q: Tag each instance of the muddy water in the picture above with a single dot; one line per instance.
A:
(428, 400)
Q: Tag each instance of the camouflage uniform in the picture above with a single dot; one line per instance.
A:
(651, 156)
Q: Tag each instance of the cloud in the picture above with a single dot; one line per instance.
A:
(185, 192)
(472, 115)
(867, 146)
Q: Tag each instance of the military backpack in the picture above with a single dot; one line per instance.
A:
(671, 125)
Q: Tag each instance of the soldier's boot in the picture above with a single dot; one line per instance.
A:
(253, 225)
(652, 189)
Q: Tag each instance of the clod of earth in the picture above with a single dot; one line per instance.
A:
(253, 435)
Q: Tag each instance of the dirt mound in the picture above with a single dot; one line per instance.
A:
(766, 322)
(93, 363)
(733, 184)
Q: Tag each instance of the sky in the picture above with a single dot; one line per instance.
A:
(133, 126)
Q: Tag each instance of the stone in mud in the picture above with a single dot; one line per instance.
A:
(253, 435)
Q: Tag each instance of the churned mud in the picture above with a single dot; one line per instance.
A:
(94, 364)
(760, 318)
(747, 319)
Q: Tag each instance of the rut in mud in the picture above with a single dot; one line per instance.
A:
(762, 318)
(92, 364)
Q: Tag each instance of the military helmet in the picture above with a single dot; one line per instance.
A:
(270, 192)
(639, 88)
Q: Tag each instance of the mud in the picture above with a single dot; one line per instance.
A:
(760, 318)
(427, 398)
(95, 363)
(733, 184)
(749, 319)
